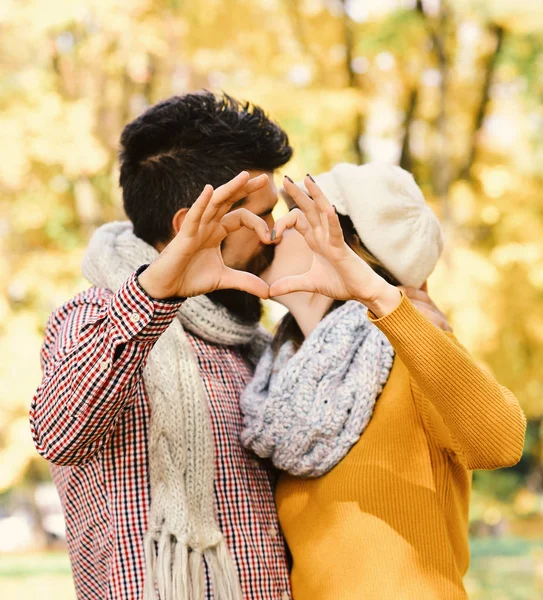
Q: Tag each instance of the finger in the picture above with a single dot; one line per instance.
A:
(433, 316)
(317, 194)
(335, 233)
(242, 217)
(442, 323)
(423, 306)
(228, 193)
(253, 185)
(408, 290)
(422, 296)
(294, 283)
(194, 214)
(294, 219)
(231, 279)
(256, 183)
(427, 312)
(287, 198)
(416, 294)
(303, 201)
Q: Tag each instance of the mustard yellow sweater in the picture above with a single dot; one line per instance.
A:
(390, 522)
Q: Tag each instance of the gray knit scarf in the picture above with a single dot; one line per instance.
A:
(182, 521)
(306, 409)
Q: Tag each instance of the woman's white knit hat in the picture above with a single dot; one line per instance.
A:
(390, 216)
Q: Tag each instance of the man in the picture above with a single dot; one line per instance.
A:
(144, 446)
(138, 411)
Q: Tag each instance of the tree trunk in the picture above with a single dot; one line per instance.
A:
(405, 156)
(441, 169)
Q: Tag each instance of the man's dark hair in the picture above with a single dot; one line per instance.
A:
(171, 151)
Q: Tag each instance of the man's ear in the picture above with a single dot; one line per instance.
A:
(178, 219)
(424, 287)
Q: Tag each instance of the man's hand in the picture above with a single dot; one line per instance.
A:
(191, 264)
(424, 304)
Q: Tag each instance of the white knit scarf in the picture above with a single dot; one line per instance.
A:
(305, 410)
(182, 520)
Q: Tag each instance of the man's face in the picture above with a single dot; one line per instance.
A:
(243, 249)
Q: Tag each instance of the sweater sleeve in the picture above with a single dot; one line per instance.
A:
(484, 419)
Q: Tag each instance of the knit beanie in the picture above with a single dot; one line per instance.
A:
(390, 216)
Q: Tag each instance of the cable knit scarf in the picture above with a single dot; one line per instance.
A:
(306, 410)
(182, 528)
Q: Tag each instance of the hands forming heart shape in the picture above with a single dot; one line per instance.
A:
(192, 264)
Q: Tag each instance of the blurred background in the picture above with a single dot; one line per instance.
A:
(450, 90)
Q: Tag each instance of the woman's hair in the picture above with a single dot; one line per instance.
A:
(288, 330)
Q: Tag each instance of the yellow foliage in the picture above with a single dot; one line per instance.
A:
(74, 73)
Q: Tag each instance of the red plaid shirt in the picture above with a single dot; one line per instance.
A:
(90, 419)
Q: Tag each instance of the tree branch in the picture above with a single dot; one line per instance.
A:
(489, 69)
(348, 37)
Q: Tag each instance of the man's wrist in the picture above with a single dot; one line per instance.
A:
(147, 285)
(145, 281)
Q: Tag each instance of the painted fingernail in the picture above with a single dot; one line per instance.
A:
(273, 234)
(311, 177)
(291, 181)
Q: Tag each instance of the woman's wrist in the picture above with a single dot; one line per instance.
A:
(383, 300)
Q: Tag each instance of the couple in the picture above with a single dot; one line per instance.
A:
(165, 444)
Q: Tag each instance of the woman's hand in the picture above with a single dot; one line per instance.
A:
(424, 304)
(191, 264)
(336, 271)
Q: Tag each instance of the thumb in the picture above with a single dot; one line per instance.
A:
(231, 279)
(293, 283)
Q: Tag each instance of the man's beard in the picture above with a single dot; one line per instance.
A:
(242, 304)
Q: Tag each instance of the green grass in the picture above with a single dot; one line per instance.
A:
(36, 577)
(481, 548)
(30, 565)
(40, 587)
(508, 568)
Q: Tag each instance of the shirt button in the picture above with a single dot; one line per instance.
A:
(272, 531)
(285, 596)
(104, 365)
(134, 317)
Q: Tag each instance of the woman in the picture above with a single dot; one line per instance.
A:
(377, 416)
